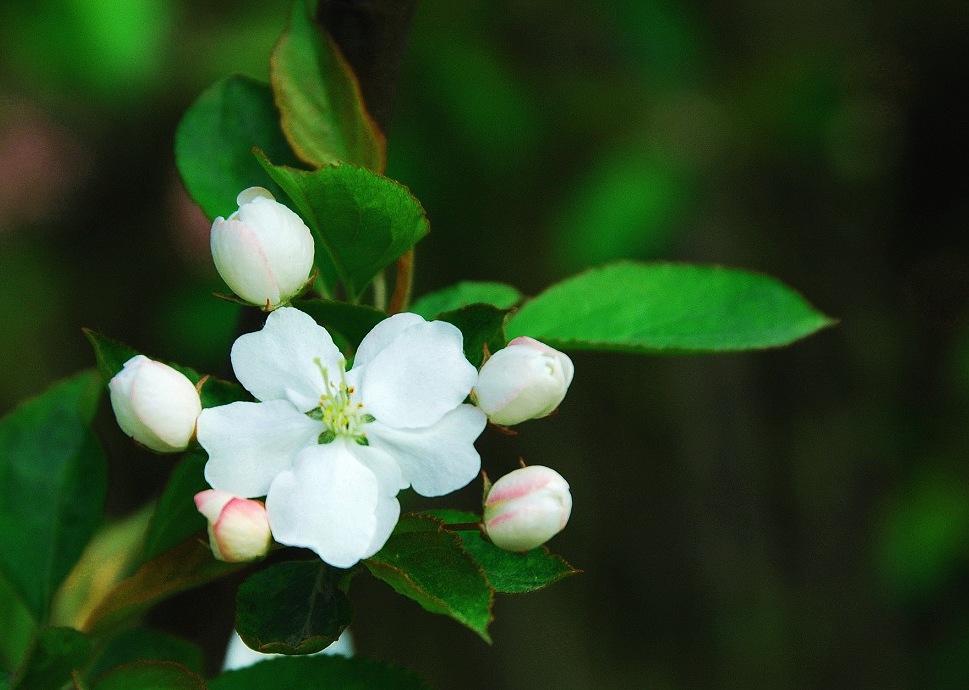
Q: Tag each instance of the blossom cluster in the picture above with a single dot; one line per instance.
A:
(328, 442)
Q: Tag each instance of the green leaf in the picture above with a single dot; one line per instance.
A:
(150, 675)
(323, 113)
(18, 627)
(330, 672)
(175, 518)
(464, 294)
(53, 479)
(141, 643)
(54, 655)
(482, 325)
(427, 564)
(667, 308)
(188, 565)
(214, 142)
(352, 321)
(294, 607)
(507, 572)
(362, 220)
(112, 354)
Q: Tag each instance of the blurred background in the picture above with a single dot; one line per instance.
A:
(796, 518)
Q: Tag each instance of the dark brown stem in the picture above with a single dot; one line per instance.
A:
(403, 283)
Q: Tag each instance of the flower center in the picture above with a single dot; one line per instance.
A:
(341, 416)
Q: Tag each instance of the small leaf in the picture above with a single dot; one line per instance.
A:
(362, 220)
(53, 479)
(214, 142)
(294, 607)
(667, 308)
(482, 325)
(18, 627)
(141, 643)
(150, 675)
(330, 672)
(507, 572)
(427, 564)
(323, 114)
(464, 294)
(352, 321)
(188, 565)
(54, 655)
(112, 354)
(175, 518)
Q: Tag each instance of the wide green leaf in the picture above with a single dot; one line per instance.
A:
(667, 308)
(55, 653)
(352, 321)
(330, 672)
(150, 675)
(188, 565)
(294, 607)
(141, 643)
(18, 627)
(508, 572)
(323, 113)
(483, 328)
(53, 479)
(112, 354)
(464, 294)
(175, 518)
(362, 220)
(214, 142)
(424, 562)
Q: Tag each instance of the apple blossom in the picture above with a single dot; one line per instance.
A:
(238, 527)
(526, 508)
(331, 448)
(525, 380)
(155, 404)
(263, 251)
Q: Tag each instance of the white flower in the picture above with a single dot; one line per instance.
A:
(525, 380)
(154, 404)
(263, 251)
(238, 527)
(330, 448)
(526, 508)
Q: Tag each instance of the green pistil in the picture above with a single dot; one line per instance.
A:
(339, 415)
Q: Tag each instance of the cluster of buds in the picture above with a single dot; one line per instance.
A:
(264, 252)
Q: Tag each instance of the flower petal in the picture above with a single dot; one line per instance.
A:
(382, 335)
(327, 502)
(438, 459)
(278, 362)
(388, 512)
(418, 377)
(250, 443)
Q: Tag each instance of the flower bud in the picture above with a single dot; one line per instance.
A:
(155, 405)
(526, 380)
(264, 251)
(238, 527)
(526, 508)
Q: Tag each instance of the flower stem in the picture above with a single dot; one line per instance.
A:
(403, 284)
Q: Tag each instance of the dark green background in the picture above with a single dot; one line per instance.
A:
(789, 519)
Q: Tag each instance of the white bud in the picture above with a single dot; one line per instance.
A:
(526, 380)
(238, 527)
(264, 251)
(526, 508)
(154, 404)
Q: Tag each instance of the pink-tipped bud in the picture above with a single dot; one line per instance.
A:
(525, 380)
(154, 404)
(526, 508)
(263, 251)
(238, 527)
